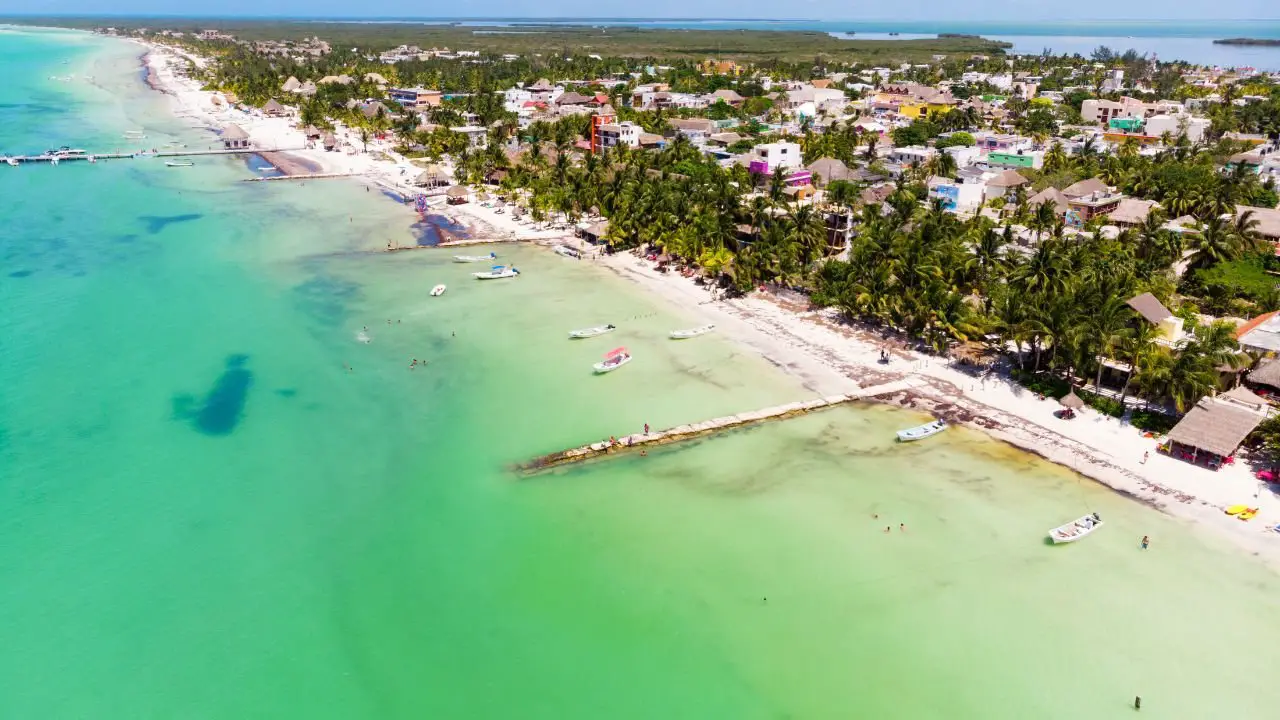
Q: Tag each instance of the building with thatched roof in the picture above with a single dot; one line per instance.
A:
(1268, 220)
(291, 85)
(329, 141)
(433, 176)
(1132, 212)
(1217, 425)
(1267, 373)
(458, 194)
(274, 109)
(235, 138)
(1085, 187)
(1053, 196)
(829, 170)
(308, 89)
(595, 232)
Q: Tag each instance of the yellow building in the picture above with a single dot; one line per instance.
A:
(720, 67)
(915, 109)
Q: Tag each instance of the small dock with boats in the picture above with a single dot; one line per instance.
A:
(639, 441)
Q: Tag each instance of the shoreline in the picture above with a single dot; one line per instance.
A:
(827, 355)
(831, 357)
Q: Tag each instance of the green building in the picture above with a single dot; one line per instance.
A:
(1012, 160)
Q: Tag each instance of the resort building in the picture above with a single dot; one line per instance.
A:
(1089, 198)
(416, 97)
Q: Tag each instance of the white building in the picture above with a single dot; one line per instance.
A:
(776, 155)
(911, 155)
(623, 133)
(1176, 125)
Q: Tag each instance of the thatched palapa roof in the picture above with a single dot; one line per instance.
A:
(1149, 307)
(458, 191)
(1071, 400)
(1267, 373)
(1218, 425)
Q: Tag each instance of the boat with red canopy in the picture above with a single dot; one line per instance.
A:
(613, 360)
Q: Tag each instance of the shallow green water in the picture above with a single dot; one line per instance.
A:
(204, 514)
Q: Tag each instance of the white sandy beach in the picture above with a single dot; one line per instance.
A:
(829, 356)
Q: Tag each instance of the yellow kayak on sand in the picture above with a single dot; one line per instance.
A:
(1247, 514)
(1237, 509)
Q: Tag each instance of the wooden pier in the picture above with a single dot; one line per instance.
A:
(639, 441)
(134, 155)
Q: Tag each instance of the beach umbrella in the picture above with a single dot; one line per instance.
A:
(1071, 400)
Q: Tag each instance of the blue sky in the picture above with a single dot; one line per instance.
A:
(1002, 10)
(835, 10)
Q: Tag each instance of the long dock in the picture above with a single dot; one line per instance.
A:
(681, 433)
(136, 154)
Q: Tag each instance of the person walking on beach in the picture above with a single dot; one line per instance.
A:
(1145, 541)
(1145, 455)
(646, 428)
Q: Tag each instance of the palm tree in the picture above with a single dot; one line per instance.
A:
(1215, 243)
(364, 138)
(1135, 347)
(1055, 158)
(1108, 326)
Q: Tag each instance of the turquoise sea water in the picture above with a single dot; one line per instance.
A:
(204, 514)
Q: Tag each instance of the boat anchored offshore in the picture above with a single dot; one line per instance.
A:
(178, 163)
(691, 332)
(613, 360)
(592, 331)
(474, 258)
(1073, 531)
(922, 432)
(497, 272)
(437, 291)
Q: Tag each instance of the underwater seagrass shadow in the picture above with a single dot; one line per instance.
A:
(157, 223)
(223, 406)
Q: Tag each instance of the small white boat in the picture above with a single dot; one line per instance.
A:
(592, 331)
(497, 272)
(613, 360)
(437, 291)
(691, 332)
(12, 161)
(134, 135)
(922, 432)
(566, 251)
(178, 163)
(474, 258)
(1075, 530)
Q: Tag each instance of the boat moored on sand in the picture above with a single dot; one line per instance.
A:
(1075, 530)
(497, 272)
(437, 291)
(691, 332)
(922, 432)
(613, 360)
(566, 251)
(474, 258)
(592, 331)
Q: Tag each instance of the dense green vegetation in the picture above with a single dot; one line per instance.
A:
(744, 45)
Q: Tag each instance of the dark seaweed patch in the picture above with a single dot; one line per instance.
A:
(223, 406)
(327, 298)
(157, 223)
(20, 273)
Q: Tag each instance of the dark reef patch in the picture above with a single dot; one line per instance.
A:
(223, 406)
(157, 223)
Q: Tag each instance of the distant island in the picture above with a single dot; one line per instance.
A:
(1260, 42)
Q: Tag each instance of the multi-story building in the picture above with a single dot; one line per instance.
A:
(415, 98)
(613, 134)
(767, 157)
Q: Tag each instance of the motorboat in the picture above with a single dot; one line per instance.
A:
(613, 360)
(178, 163)
(566, 251)
(474, 258)
(497, 272)
(922, 432)
(12, 161)
(691, 332)
(437, 291)
(1076, 529)
(592, 331)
